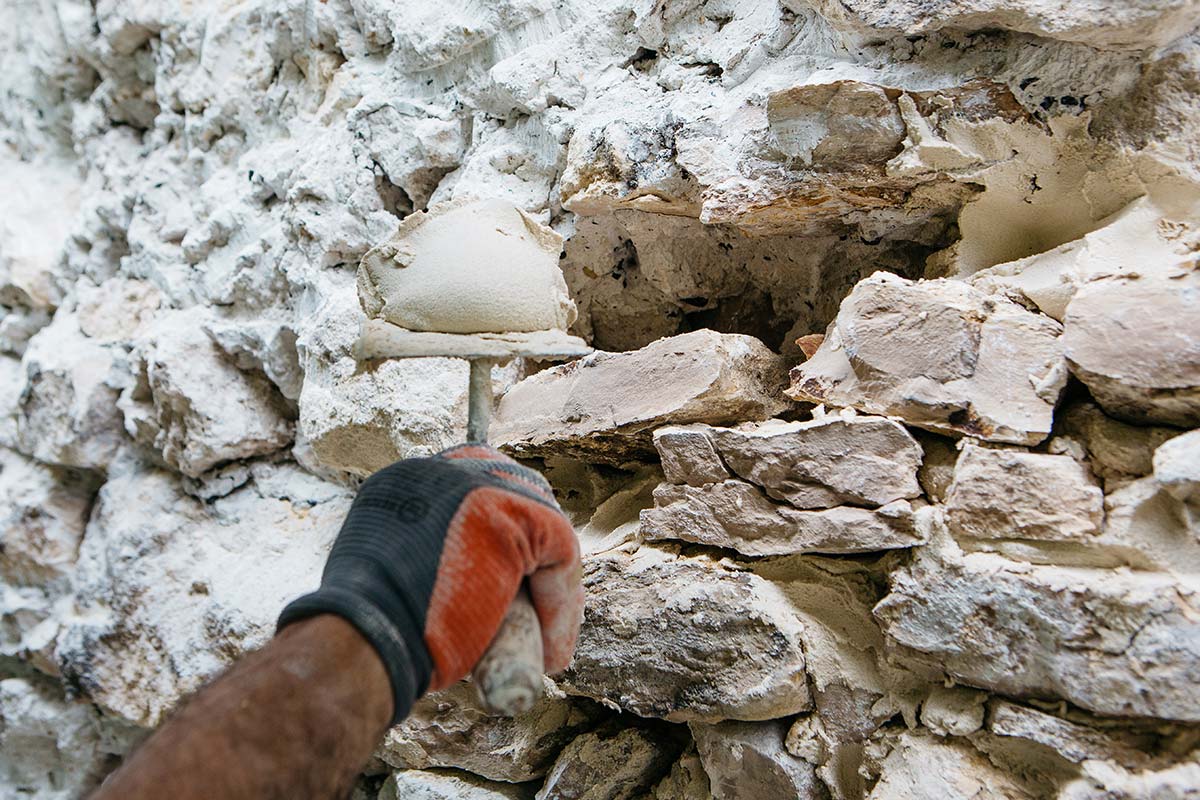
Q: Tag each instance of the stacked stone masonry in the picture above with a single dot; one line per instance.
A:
(886, 469)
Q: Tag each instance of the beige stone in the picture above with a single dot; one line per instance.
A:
(923, 767)
(1177, 467)
(450, 728)
(413, 784)
(737, 515)
(824, 462)
(939, 355)
(746, 760)
(604, 407)
(687, 780)
(953, 711)
(686, 639)
(1142, 367)
(1073, 741)
(1116, 450)
(1122, 644)
(1010, 494)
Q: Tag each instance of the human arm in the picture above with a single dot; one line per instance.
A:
(429, 558)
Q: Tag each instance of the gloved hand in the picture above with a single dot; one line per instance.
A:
(431, 555)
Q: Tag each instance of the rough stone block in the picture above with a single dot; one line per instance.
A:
(614, 763)
(686, 639)
(1140, 367)
(942, 356)
(1177, 467)
(415, 784)
(746, 760)
(737, 515)
(920, 766)
(451, 729)
(1123, 644)
(604, 407)
(1009, 494)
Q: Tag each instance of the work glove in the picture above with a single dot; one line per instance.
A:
(431, 555)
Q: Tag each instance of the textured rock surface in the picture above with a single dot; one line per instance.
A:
(1120, 644)
(941, 356)
(820, 463)
(610, 764)
(736, 515)
(167, 597)
(1154, 375)
(1004, 494)
(748, 759)
(696, 377)
(687, 639)
(924, 767)
(447, 785)
(451, 729)
(1177, 466)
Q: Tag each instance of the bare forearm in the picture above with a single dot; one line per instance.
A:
(297, 719)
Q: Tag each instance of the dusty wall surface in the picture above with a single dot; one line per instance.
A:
(904, 505)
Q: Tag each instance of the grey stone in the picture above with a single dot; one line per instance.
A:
(613, 763)
(747, 760)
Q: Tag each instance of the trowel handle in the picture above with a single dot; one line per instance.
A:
(509, 676)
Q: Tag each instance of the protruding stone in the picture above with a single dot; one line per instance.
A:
(686, 639)
(1123, 644)
(451, 729)
(174, 408)
(688, 455)
(43, 511)
(415, 784)
(737, 515)
(604, 407)
(169, 590)
(1106, 781)
(942, 356)
(746, 760)
(953, 711)
(1140, 367)
(1071, 740)
(67, 407)
(1177, 467)
(822, 462)
(614, 763)
(920, 766)
(1146, 527)
(1011, 494)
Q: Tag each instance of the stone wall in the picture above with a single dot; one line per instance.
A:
(884, 478)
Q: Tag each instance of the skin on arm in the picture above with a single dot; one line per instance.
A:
(298, 719)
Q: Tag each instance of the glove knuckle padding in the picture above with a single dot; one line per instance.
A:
(430, 556)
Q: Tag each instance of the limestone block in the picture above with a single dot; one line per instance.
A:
(116, 310)
(169, 590)
(66, 410)
(688, 455)
(686, 639)
(1010, 494)
(1139, 367)
(953, 711)
(43, 511)
(49, 747)
(924, 767)
(1100, 23)
(1177, 467)
(748, 759)
(1073, 741)
(687, 780)
(824, 462)
(1117, 451)
(613, 763)
(737, 515)
(413, 784)
(939, 355)
(266, 346)
(451, 729)
(841, 125)
(195, 406)
(605, 406)
(1123, 644)
(360, 418)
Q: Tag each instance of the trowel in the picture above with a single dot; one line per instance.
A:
(509, 676)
